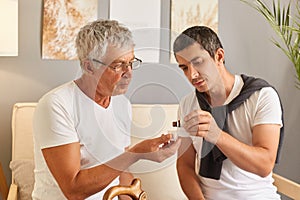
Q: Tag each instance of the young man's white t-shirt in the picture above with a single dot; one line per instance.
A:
(66, 115)
(262, 107)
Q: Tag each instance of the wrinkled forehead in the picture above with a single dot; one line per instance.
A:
(114, 53)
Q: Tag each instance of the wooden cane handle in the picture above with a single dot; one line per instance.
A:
(134, 191)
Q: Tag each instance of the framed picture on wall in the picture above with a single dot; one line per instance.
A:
(9, 27)
(142, 17)
(62, 20)
(189, 13)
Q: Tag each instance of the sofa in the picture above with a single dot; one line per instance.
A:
(159, 181)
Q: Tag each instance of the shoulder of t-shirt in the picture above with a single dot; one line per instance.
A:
(268, 93)
(265, 92)
(66, 88)
(58, 94)
(265, 96)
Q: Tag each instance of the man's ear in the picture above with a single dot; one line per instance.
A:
(87, 66)
(220, 55)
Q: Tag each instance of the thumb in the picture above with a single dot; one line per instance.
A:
(162, 139)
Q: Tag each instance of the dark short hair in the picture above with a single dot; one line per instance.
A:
(205, 36)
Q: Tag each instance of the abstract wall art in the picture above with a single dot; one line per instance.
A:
(62, 20)
(189, 13)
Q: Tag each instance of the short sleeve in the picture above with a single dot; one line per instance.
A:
(268, 109)
(53, 124)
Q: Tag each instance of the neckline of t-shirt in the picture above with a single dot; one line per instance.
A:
(236, 89)
(82, 94)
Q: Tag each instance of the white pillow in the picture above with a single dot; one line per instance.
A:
(23, 177)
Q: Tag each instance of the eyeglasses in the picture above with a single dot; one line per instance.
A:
(119, 67)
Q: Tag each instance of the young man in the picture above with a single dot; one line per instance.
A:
(234, 122)
(82, 128)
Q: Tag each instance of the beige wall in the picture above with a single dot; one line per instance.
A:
(245, 37)
(26, 77)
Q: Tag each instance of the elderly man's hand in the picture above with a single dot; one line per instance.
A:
(156, 149)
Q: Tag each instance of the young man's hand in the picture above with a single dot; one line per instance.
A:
(201, 123)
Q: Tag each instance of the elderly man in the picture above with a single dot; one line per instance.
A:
(82, 128)
(234, 122)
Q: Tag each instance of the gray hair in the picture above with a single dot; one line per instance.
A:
(92, 39)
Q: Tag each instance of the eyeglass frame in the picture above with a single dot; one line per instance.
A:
(120, 66)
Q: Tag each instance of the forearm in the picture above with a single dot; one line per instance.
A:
(92, 180)
(255, 159)
(125, 180)
(190, 183)
(77, 183)
(189, 180)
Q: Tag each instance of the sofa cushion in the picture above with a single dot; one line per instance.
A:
(23, 177)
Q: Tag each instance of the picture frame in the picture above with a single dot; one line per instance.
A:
(185, 14)
(9, 28)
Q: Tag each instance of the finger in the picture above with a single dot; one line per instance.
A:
(168, 151)
(201, 133)
(199, 130)
(203, 127)
(192, 122)
(204, 118)
(171, 148)
(197, 125)
(164, 144)
(162, 139)
(201, 118)
(191, 128)
(195, 113)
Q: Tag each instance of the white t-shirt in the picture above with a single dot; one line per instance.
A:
(66, 115)
(262, 107)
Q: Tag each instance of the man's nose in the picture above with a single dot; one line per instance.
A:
(127, 70)
(193, 72)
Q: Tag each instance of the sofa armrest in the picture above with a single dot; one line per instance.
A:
(287, 187)
(13, 192)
